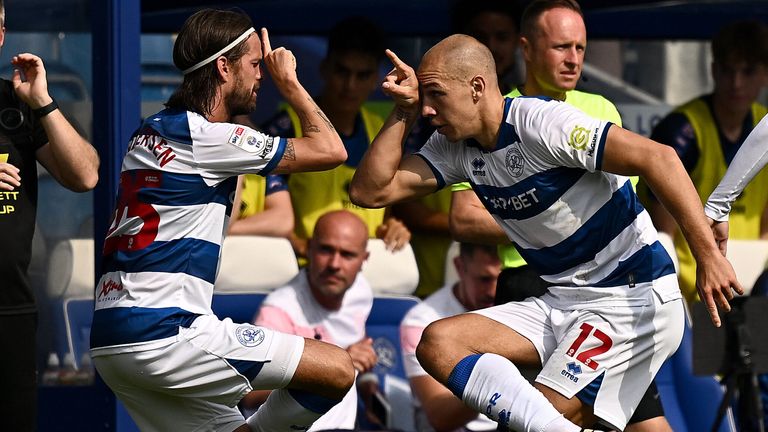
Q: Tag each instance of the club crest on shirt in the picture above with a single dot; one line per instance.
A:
(515, 161)
(249, 336)
(579, 138)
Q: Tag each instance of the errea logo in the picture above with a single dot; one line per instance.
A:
(572, 370)
(477, 167)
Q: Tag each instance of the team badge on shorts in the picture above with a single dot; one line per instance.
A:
(249, 336)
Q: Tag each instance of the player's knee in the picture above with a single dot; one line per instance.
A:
(341, 373)
(433, 341)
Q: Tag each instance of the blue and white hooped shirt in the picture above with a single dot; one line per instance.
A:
(579, 227)
(162, 249)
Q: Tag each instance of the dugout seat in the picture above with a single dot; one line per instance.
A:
(748, 258)
(390, 273)
(255, 263)
(78, 316)
(240, 307)
(71, 269)
(383, 326)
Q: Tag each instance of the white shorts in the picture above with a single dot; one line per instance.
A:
(194, 381)
(605, 355)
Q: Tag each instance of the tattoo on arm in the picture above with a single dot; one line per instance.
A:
(306, 125)
(290, 151)
(321, 114)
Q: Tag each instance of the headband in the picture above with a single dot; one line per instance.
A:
(241, 38)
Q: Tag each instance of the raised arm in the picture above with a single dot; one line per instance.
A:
(70, 159)
(384, 177)
(320, 147)
(750, 159)
(627, 153)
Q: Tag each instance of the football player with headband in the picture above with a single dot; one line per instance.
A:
(155, 340)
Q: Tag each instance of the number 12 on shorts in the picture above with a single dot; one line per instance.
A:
(586, 355)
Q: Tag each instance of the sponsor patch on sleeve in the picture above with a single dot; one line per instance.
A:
(579, 138)
(237, 136)
(252, 141)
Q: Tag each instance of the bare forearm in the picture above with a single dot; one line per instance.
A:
(73, 160)
(266, 223)
(373, 178)
(673, 188)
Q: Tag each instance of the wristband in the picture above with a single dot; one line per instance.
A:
(45, 110)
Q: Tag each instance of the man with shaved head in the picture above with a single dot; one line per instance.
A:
(555, 180)
(329, 300)
(554, 42)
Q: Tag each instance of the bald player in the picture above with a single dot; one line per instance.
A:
(555, 180)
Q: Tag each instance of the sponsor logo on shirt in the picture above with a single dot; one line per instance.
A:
(579, 138)
(477, 167)
(236, 136)
(254, 143)
(7, 195)
(515, 161)
(518, 202)
(108, 286)
(249, 336)
(593, 144)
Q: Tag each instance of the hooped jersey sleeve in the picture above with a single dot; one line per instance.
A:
(225, 149)
(558, 134)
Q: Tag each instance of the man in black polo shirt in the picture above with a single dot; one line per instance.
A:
(32, 129)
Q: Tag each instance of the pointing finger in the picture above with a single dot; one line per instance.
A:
(266, 46)
(399, 64)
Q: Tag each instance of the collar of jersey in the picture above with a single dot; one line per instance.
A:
(507, 134)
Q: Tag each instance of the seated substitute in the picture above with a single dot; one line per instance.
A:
(329, 300)
(437, 409)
